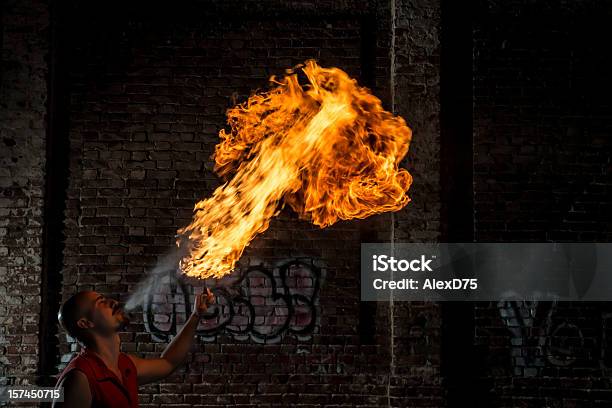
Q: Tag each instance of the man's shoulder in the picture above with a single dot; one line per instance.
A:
(74, 377)
(79, 364)
(81, 360)
(130, 358)
(76, 388)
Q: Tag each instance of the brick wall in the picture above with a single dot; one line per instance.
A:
(23, 93)
(415, 79)
(149, 90)
(542, 121)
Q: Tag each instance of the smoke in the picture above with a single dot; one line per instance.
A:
(169, 262)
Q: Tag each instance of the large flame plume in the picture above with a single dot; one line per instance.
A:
(327, 149)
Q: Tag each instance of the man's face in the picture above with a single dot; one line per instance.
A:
(105, 315)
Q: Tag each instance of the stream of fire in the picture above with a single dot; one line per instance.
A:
(326, 148)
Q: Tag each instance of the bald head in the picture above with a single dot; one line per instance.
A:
(72, 310)
(89, 315)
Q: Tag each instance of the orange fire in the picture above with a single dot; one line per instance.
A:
(327, 149)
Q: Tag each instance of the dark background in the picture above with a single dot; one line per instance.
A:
(108, 117)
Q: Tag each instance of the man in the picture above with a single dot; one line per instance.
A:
(101, 375)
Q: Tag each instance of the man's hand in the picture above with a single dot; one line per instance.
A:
(202, 301)
(150, 370)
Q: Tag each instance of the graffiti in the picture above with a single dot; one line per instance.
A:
(262, 305)
(542, 334)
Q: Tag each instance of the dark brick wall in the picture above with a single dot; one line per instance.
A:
(23, 93)
(149, 92)
(542, 148)
(415, 78)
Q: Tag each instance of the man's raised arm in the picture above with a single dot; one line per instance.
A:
(150, 370)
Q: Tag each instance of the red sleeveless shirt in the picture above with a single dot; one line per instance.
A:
(106, 389)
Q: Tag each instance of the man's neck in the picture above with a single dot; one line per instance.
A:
(108, 348)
